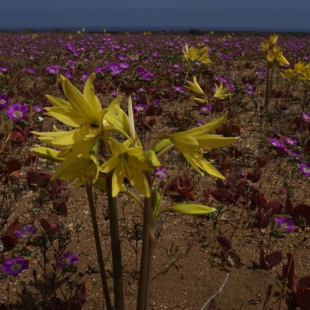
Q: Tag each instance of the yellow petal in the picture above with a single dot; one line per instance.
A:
(192, 209)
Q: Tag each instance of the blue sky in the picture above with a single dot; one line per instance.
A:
(267, 15)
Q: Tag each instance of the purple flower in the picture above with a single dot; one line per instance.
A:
(305, 169)
(15, 266)
(4, 101)
(155, 102)
(292, 153)
(26, 232)
(285, 224)
(84, 76)
(291, 141)
(53, 69)
(206, 108)
(277, 143)
(178, 89)
(161, 172)
(68, 75)
(17, 111)
(144, 74)
(200, 122)
(66, 259)
(140, 108)
(38, 108)
(116, 69)
(4, 69)
(115, 93)
(101, 69)
(306, 116)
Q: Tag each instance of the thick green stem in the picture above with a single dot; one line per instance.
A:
(98, 244)
(147, 254)
(115, 246)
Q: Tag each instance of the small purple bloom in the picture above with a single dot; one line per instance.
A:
(4, 101)
(84, 76)
(205, 108)
(115, 93)
(17, 111)
(38, 108)
(292, 153)
(277, 143)
(26, 232)
(116, 69)
(66, 259)
(291, 141)
(179, 89)
(200, 122)
(155, 102)
(53, 69)
(161, 172)
(68, 75)
(140, 108)
(305, 169)
(306, 116)
(4, 69)
(15, 266)
(285, 224)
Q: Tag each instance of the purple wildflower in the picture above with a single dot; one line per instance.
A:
(17, 111)
(68, 75)
(4, 101)
(116, 69)
(205, 108)
(305, 169)
(15, 266)
(53, 69)
(26, 232)
(306, 116)
(161, 172)
(115, 93)
(4, 69)
(84, 76)
(200, 122)
(285, 224)
(292, 153)
(179, 89)
(38, 108)
(291, 141)
(277, 143)
(140, 108)
(66, 259)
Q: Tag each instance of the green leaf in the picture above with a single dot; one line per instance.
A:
(192, 209)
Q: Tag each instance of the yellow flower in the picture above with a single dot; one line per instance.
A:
(266, 45)
(191, 141)
(128, 162)
(194, 86)
(299, 67)
(289, 74)
(221, 92)
(81, 111)
(193, 54)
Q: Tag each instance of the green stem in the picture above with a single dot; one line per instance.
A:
(98, 244)
(146, 257)
(267, 94)
(115, 246)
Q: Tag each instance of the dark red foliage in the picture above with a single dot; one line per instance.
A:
(50, 224)
(34, 177)
(262, 161)
(296, 209)
(253, 177)
(9, 238)
(303, 293)
(268, 261)
(288, 271)
(222, 195)
(229, 130)
(224, 242)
